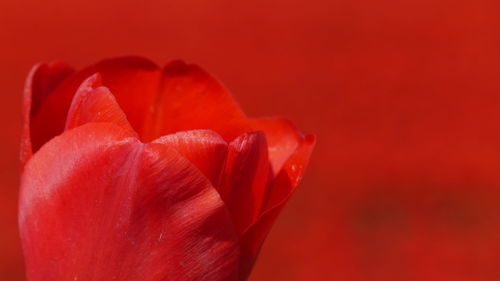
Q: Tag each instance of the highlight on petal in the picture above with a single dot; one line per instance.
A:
(98, 205)
(41, 81)
(205, 149)
(95, 103)
(281, 190)
(282, 136)
(244, 180)
(291, 174)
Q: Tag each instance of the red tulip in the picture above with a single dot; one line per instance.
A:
(135, 172)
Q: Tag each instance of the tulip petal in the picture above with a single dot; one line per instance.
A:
(282, 136)
(245, 178)
(98, 205)
(282, 188)
(41, 81)
(95, 103)
(156, 101)
(204, 148)
(191, 99)
(291, 174)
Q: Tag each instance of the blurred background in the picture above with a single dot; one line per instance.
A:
(404, 96)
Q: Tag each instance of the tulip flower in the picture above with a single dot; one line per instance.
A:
(136, 172)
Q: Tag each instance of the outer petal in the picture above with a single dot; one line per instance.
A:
(94, 103)
(42, 80)
(156, 101)
(282, 189)
(245, 178)
(98, 206)
(283, 139)
(291, 174)
(204, 148)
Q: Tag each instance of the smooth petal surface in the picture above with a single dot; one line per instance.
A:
(281, 190)
(98, 205)
(189, 99)
(95, 103)
(156, 101)
(41, 82)
(283, 139)
(245, 178)
(204, 148)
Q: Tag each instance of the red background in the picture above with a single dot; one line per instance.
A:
(404, 96)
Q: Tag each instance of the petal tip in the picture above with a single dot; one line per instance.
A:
(131, 60)
(176, 67)
(310, 139)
